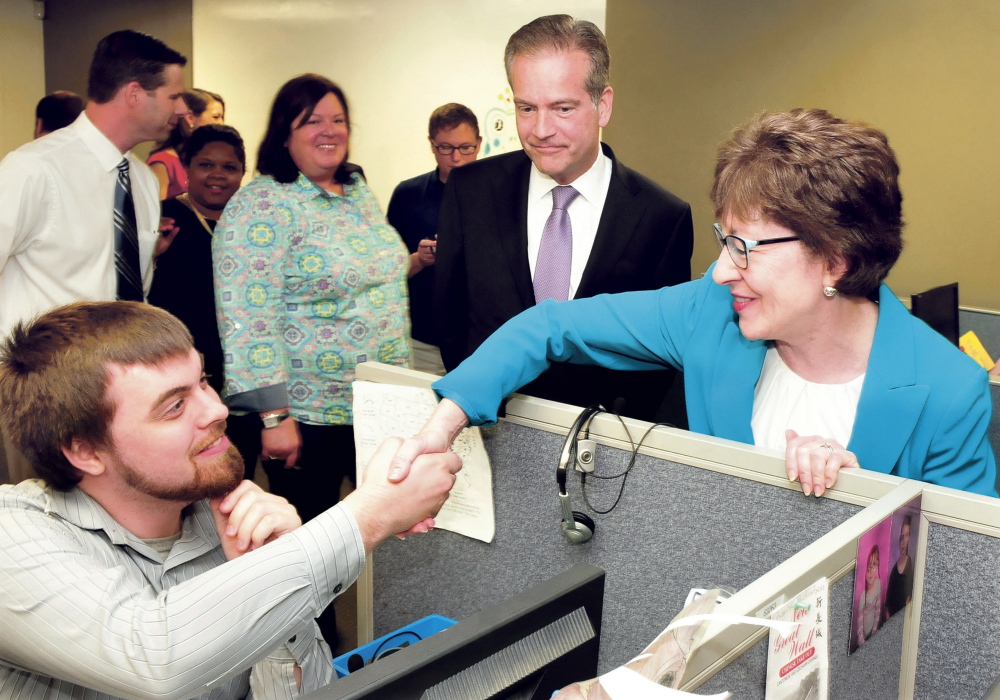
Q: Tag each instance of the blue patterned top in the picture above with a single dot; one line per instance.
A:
(307, 285)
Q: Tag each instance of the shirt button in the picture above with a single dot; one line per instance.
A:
(337, 588)
(292, 640)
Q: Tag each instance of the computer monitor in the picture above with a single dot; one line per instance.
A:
(524, 648)
(938, 308)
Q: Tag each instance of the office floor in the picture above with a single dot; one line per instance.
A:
(346, 603)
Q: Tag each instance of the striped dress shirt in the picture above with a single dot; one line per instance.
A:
(88, 611)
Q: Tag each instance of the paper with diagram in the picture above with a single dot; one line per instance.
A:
(387, 410)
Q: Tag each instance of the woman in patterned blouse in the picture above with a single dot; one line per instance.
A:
(309, 280)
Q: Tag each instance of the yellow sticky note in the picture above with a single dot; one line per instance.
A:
(970, 345)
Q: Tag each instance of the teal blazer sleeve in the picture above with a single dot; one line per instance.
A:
(924, 408)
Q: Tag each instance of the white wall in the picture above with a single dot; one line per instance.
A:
(22, 72)
(396, 60)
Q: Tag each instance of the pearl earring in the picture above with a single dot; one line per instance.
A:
(830, 291)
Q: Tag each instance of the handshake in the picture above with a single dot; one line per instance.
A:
(407, 481)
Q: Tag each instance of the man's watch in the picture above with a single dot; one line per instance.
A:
(273, 420)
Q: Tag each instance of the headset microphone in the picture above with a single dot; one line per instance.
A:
(576, 526)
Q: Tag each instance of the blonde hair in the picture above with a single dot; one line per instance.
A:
(563, 33)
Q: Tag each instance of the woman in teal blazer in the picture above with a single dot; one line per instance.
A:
(924, 407)
(792, 331)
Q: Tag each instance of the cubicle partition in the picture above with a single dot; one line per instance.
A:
(956, 609)
(739, 654)
(705, 512)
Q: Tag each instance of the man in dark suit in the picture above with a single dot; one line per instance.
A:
(504, 242)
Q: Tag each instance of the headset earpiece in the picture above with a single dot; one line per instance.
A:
(355, 662)
(582, 529)
(576, 526)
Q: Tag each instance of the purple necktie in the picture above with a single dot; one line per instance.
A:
(555, 254)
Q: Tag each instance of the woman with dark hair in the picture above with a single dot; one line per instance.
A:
(166, 161)
(310, 280)
(791, 341)
(215, 160)
(900, 589)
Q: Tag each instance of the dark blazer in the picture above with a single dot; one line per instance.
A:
(644, 241)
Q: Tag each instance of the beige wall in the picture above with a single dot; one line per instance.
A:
(685, 73)
(397, 60)
(74, 27)
(22, 72)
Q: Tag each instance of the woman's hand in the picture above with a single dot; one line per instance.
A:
(283, 442)
(438, 433)
(168, 232)
(815, 461)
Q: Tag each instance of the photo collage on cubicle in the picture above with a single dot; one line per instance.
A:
(883, 576)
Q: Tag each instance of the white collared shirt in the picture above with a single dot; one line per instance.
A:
(584, 213)
(783, 399)
(92, 611)
(57, 242)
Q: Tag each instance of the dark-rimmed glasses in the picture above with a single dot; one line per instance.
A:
(739, 248)
(446, 149)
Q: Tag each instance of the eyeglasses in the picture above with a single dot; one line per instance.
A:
(739, 248)
(446, 149)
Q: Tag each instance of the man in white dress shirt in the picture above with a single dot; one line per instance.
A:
(141, 566)
(57, 193)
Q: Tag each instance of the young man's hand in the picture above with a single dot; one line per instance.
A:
(248, 517)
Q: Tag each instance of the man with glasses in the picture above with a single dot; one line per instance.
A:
(562, 219)
(413, 211)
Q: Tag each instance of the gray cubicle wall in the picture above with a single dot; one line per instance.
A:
(957, 652)
(871, 673)
(676, 527)
(944, 644)
(718, 515)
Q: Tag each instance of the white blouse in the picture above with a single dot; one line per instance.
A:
(783, 399)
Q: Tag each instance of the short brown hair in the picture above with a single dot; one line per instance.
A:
(449, 116)
(58, 109)
(126, 56)
(54, 375)
(563, 33)
(834, 183)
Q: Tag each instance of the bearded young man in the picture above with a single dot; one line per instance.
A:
(140, 566)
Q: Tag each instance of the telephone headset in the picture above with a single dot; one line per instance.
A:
(356, 661)
(579, 449)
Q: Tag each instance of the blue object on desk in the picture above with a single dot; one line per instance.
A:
(408, 635)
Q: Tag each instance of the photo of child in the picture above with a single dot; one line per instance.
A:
(883, 575)
(871, 598)
(869, 591)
